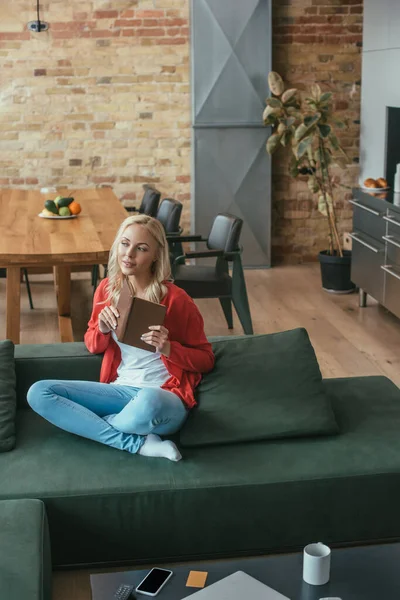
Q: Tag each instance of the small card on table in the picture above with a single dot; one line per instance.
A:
(197, 579)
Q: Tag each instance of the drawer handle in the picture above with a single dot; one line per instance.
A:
(374, 212)
(388, 238)
(388, 269)
(360, 241)
(391, 220)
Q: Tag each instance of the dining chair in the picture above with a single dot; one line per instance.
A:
(215, 281)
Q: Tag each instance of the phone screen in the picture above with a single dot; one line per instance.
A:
(153, 581)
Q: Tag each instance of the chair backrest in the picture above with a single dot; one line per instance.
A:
(150, 201)
(169, 214)
(225, 233)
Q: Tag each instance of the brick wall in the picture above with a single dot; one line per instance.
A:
(103, 97)
(316, 41)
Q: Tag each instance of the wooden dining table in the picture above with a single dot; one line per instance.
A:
(27, 240)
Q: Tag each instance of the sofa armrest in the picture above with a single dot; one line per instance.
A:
(34, 362)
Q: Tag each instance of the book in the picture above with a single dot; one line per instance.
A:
(136, 316)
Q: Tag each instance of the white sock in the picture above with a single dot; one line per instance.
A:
(156, 447)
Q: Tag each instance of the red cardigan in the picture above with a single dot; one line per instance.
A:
(191, 353)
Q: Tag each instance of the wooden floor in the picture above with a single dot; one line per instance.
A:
(348, 341)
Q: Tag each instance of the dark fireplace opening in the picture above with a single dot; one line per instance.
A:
(392, 142)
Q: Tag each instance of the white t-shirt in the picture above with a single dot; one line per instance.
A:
(140, 368)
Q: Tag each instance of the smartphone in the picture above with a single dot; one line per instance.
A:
(154, 581)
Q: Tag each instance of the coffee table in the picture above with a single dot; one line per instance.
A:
(360, 573)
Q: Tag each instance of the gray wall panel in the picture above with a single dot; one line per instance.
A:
(231, 57)
(234, 178)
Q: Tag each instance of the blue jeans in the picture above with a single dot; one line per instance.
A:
(131, 413)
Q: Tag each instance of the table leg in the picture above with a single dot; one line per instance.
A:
(13, 300)
(62, 282)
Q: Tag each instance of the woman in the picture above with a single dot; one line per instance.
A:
(141, 393)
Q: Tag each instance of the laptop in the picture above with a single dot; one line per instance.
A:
(238, 586)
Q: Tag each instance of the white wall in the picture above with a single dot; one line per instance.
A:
(380, 81)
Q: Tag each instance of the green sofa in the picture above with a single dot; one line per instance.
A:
(109, 507)
(25, 567)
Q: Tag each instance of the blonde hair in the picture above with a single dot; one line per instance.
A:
(161, 271)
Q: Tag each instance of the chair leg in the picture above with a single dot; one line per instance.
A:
(226, 304)
(239, 296)
(95, 275)
(28, 288)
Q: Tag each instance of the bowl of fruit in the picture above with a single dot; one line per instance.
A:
(60, 208)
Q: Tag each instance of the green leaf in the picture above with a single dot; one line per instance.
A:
(326, 97)
(304, 129)
(324, 130)
(316, 92)
(272, 143)
(270, 115)
(289, 121)
(275, 83)
(286, 137)
(274, 102)
(289, 95)
(334, 141)
(303, 146)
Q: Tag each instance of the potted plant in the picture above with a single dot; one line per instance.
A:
(307, 126)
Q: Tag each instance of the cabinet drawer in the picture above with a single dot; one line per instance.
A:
(393, 224)
(392, 249)
(367, 258)
(368, 220)
(392, 289)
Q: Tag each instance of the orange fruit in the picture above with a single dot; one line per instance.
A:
(75, 208)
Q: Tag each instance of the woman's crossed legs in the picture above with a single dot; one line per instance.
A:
(123, 417)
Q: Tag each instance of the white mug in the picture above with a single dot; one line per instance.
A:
(316, 564)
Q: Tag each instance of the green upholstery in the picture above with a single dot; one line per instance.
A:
(105, 505)
(8, 399)
(53, 361)
(25, 563)
(262, 387)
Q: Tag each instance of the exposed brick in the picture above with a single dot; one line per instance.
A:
(105, 14)
(150, 32)
(149, 14)
(75, 162)
(129, 22)
(39, 72)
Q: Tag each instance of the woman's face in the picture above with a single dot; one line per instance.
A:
(137, 251)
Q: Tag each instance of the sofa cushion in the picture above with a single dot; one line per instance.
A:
(25, 558)
(71, 360)
(8, 398)
(262, 387)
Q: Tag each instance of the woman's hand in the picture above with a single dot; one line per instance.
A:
(108, 319)
(158, 337)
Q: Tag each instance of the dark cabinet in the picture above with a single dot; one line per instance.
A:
(368, 256)
(375, 267)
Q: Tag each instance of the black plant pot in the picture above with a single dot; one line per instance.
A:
(335, 272)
